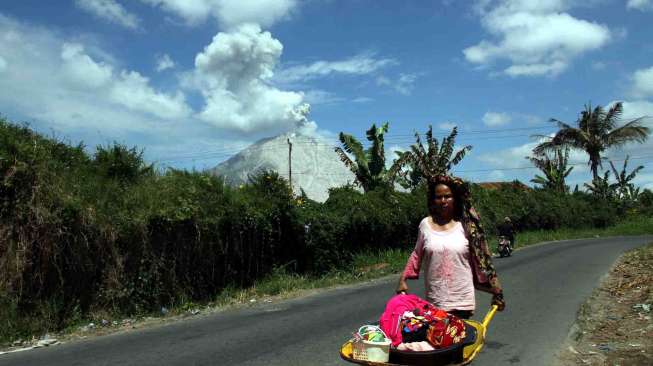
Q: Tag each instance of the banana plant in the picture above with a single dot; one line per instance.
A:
(368, 165)
(625, 189)
(555, 170)
(435, 158)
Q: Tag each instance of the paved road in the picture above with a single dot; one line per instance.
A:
(544, 286)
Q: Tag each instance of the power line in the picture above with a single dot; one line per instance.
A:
(499, 169)
(210, 154)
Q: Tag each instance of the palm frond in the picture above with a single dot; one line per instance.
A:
(631, 131)
(446, 149)
(404, 159)
(353, 146)
(460, 155)
(613, 115)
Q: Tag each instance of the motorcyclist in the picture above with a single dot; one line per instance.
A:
(508, 230)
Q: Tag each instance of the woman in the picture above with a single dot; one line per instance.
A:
(452, 247)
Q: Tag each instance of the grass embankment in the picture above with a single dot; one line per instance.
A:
(371, 265)
(366, 266)
(614, 325)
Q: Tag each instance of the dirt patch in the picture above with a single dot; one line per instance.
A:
(614, 325)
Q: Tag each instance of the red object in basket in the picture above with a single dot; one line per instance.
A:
(445, 332)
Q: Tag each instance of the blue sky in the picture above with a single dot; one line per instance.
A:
(193, 82)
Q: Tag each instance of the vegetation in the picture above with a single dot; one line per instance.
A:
(554, 169)
(624, 188)
(368, 165)
(106, 233)
(433, 160)
(597, 131)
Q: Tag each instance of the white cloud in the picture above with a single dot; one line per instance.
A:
(164, 62)
(81, 70)
(403, 84)
(494, 119)
(636, 109)
(132, 90)
(230, 13)
(643, 82)
(642, 5)
(111, 11)
(362, 100)
(447, 126)
(315, 96)
(65, 85)
(233, 74)
(537, 37)
(357, 65)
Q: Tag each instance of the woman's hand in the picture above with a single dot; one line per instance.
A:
(402, 287)
(498, 300)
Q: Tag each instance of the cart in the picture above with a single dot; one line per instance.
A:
(463, 354)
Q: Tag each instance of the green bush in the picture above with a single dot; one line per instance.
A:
(81, 234)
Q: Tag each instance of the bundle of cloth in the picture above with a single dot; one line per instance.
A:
(414, 324)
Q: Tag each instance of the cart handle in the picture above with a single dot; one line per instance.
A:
(490, 315)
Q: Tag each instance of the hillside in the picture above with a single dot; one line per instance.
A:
(315, 165)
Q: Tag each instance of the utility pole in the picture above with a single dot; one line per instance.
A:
(290, 163)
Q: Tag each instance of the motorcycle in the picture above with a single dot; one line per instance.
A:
(504, 248)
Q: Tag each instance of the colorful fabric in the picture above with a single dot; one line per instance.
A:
(445, 332)
(394, 310)
(422, 346)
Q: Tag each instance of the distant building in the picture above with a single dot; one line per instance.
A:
(498, 185)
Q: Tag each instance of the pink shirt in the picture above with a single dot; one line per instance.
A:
(448, 277)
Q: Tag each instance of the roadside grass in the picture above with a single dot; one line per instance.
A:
(367, 265)
(639, 225)
(375, 264)
(611, 325)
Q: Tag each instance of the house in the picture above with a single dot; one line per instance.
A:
(498, 185)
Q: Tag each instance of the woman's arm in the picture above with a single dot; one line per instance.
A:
(411, 271)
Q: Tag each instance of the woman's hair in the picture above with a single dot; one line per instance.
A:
(458, 188)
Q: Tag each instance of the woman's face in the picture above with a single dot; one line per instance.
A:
(443, 200)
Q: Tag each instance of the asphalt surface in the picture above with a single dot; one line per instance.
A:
(544, 286)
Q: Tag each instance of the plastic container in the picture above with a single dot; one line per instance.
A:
(371, 351)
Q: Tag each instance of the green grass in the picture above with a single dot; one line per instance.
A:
(366, 266)
(376, 264)
(634, 226)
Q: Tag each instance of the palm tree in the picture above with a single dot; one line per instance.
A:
(368, 165)
(433, 160)
(555, 170)
(597, 131)
(624, 188)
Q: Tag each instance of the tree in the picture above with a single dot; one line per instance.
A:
(624, 188)
(368, 165)
(555, 170)
(121, 163)
(433, 160)
(597, 131)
